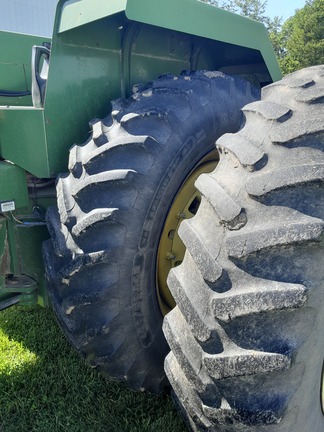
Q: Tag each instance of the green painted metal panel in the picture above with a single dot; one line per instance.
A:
(72, 14)
(197, 18)
(12, 245)
(15, 57)
(207, 21)
(88, 60)
(143, 60)
(13, 184)
(15, 285)
(4, 255)
(102, 60)
(23, 139)
(21, 238)
(84, 76)
(30, 237)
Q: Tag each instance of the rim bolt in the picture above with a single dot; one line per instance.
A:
(170, 256)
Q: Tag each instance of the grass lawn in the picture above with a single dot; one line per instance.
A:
(46, 387)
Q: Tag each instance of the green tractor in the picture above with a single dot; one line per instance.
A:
(147, 237)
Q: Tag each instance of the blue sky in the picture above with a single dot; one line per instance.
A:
(283, 8)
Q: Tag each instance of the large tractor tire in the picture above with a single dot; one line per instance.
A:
(107, 229)
(246, 335)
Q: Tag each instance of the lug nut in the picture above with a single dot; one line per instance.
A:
(170, 256)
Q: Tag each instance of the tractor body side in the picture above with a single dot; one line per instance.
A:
(99, 51)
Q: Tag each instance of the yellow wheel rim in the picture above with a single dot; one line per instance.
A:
(171, 249)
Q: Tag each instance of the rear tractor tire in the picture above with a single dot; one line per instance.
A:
(107, 259)
(246, 335)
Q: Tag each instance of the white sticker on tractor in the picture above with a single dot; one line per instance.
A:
(6, 206)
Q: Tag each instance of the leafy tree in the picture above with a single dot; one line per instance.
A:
(276, 36)
(254, 9)
(302, 38)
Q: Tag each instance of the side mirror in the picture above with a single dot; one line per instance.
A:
(39, 68)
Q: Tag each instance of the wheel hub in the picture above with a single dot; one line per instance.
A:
(171, 249)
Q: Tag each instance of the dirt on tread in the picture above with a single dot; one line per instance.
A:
(262, 345)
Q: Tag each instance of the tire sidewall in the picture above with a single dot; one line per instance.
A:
(144, 270)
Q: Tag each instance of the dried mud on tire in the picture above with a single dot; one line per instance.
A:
(246, 336)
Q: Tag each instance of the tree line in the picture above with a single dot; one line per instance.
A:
(298, 42)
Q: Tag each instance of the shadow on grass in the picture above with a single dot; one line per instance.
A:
(57, 391)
